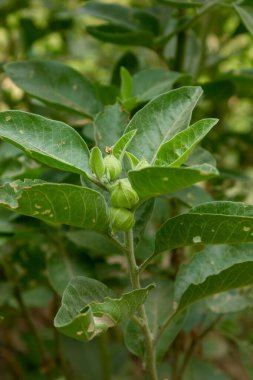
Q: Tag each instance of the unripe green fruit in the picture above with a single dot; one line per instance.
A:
(112, 167)
(123, 195)
(121, 219)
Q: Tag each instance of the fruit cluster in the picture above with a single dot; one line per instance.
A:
(123, 197)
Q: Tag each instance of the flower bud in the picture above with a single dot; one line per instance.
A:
(123, 195)
(112, 167)
(121, 219)
(97, 163)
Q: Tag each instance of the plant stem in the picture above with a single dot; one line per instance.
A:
(192, 346)
(104, 357)
(59, 354)
(162, 40)
(150, 356)
(181, 48)
(40, 345)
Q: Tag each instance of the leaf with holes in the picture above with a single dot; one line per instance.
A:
(208, 223)
(56, 203)
(88, 308)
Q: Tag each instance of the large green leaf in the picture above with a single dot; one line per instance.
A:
(161, 119)
(245, 11)
(109, 126)
(209, 223)
(154, 181)
(215, 270)
(192, 196)
(120, 35)
(176, 151)
(56, 203)
(88, 308)
(62, 266)
(51, 142)
(231, 301)
(182, 3)
(128, 17)
(95, 242)
(56, 84)
(150, 83)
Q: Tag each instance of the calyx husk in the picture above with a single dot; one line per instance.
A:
(123, 195)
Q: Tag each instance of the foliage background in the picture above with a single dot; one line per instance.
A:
(219, 57)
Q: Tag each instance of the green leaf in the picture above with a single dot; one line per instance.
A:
(230, 301)
(109, 126)
(192, 196)
(209, 223)
(160, 120)
(120, 35)
(182, 3)
(149, 83)
(56, 84)
(154, 181)
(96, 162)
(133, 161)
(95, 242)
(245, 12)
(62, 266)
(51, 142)
(88, 308)
(200, 155)
(121, 145)
(215, 270)
(56, 203)
(129, 17)
(126, 88)
(177, 150)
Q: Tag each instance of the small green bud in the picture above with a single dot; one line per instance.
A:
(123, 195)
(121, 219)
(97, 163)
(112, 167)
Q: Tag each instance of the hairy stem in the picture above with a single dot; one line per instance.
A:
(150, 356)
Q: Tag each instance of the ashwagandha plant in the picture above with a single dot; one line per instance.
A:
(134, 161)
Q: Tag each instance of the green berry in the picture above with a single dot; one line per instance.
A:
(97, 163)
(112, 167)
(121, 219)
(123, 195)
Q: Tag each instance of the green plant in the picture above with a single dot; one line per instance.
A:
(126, 190)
